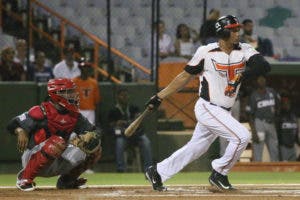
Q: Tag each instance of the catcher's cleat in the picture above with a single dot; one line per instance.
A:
(220, 181)
(155, 179)
(24, 184)
(64, 183)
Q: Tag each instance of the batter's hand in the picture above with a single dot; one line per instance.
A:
(22, 138)
(154, 102)
(232, 85)
(230, 90)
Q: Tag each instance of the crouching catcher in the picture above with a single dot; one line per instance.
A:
(56, 139)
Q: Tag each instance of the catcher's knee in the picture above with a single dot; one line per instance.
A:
(54, 146)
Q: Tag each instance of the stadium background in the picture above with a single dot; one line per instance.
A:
(115, 36)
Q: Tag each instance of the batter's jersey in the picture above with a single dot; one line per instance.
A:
(218, 69)
(89, 94)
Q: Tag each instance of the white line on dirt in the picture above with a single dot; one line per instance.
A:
(251, 186)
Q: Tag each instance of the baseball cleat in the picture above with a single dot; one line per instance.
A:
(24, 184)
(155, 179)
(64, 183)
(220, 181)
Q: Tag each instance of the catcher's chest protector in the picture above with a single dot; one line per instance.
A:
(59, 124)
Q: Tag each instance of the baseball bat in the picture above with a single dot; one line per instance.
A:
(136, 123)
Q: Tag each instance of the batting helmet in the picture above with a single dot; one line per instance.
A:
(63, 92)
(224, 24)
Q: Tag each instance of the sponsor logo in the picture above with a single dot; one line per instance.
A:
(230, 69)
(223, 186)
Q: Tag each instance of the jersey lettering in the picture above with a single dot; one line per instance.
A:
(265, 103)
(86, 92)
(288, 125)
(230, 69)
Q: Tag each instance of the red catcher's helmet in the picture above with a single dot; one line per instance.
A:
(63, 92)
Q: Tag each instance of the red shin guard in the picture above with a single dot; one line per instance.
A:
(52, 149)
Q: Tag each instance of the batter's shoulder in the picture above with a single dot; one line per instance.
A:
(207, 48)
(245, 46)
(211, 46)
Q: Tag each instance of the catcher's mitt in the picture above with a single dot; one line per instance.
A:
(89, 142)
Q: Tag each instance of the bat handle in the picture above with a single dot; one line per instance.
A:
(136, 123)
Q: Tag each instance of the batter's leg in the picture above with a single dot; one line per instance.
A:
(197, 146)
(220, 123)
(238, 137)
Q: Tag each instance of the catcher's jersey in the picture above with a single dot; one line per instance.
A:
(218, 69)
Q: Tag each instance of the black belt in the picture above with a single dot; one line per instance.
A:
(228, 109)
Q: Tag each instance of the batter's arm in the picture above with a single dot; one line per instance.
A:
(176, 84)
(256, 65)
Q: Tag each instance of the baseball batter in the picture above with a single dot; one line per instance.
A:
(221, 66)
(43, 135)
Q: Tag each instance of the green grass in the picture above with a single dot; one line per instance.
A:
(181, 178)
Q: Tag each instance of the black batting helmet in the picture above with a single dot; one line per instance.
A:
(224, 24)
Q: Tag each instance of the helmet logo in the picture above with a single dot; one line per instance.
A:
(218, 26)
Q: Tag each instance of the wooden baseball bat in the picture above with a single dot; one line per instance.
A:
(136, 123)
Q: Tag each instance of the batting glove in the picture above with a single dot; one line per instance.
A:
(232, 85)
(154, 102)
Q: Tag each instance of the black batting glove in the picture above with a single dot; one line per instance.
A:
(154, 102)
(232, 86)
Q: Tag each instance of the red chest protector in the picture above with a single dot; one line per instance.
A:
(57, 123)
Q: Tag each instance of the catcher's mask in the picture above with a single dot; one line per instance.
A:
(225, 24)
(63, 92)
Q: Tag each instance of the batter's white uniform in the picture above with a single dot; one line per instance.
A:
(212, 110)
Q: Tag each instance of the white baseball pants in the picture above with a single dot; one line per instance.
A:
(213, 121)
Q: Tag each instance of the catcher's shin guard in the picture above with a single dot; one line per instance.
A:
(71, 180)
(52, 149)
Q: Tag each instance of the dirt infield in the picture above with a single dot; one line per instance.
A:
(201, 192)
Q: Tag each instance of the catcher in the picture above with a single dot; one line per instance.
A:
(43, 136)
